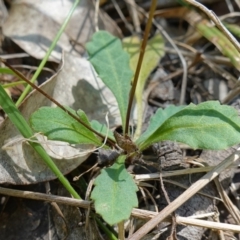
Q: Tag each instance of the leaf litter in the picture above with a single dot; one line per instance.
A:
(35, 37)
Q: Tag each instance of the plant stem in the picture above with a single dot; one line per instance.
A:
(121, 231)
(139, 64)
(54, 43)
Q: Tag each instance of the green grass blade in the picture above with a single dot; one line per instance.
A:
(214, 35)
(13, 84)
(5, 70)
(233, 28)
(21, 124)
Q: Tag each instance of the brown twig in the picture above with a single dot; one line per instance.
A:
(138, 213)
(139, 64)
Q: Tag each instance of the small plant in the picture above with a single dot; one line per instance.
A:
(208, 125)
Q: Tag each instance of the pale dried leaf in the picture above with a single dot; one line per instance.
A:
(79, 87)
(34, 24)
(19, 164)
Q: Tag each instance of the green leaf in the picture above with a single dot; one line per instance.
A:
(111, 62)
(153, 53)
(114, 193)
(233, 28)
(102, 128)
(155, 122)
(5, 70)
(58, 125)
(208, 125)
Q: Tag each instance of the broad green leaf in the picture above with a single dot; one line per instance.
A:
(102, 128)
(208, 125)
(114, 193)
(155, 122)
(111, 62)
(58, 125)
(153, 53)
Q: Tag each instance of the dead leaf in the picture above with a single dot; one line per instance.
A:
(34, 24)
(76, 85)
(79, 87)
(3, 13)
